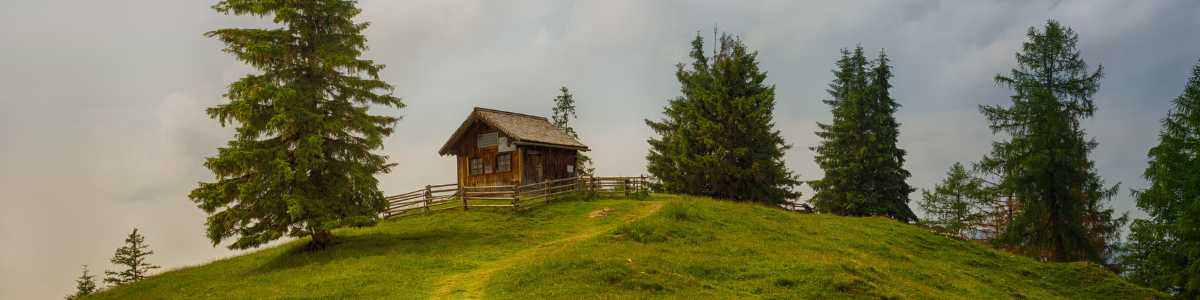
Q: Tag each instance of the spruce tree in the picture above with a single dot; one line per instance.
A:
(863, 165)
(301, 162)
(1045, 166)
(1163, 252)
(959, 204)
(562, 113)
(84, 285)
(839, 153)
(718, 138)
(133, 257)
(888, 177)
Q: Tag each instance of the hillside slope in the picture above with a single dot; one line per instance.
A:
(667, 246)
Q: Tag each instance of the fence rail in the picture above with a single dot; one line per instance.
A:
(446, 196)
(430, 198)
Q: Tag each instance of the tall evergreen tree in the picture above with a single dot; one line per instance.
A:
(133, 257)
(718, 138)
(84, 285)
(959, 205)
(888, 176)
(1045, 165)
(864, 168)
(301, 161)
(562, 113)
(1163, 252)
(838, 153)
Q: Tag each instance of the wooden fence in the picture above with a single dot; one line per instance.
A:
(445, 196)
(430, 198)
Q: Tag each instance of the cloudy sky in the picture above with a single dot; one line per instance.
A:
(102, 127)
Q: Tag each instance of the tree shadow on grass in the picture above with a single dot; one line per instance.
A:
(424, 242)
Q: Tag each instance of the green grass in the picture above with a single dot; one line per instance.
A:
(666, 246)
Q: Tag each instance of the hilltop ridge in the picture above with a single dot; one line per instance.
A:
(666, 246)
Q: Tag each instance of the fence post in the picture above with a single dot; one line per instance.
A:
(546, 190)
(428, 196)
(462, 193)
(625, 186)
(516, 202)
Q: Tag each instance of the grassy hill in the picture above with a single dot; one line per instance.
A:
(667, 246)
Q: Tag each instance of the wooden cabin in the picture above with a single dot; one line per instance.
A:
(497, 148)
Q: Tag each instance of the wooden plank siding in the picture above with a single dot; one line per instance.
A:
(468, 149)
(526, 160)
(552, 162)
(536, 160)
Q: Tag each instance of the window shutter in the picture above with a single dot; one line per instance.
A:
(487, 139)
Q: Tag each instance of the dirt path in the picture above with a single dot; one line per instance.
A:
(470, 285)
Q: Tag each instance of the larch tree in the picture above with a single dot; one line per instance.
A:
(718, 139)
(858, 151)
(301, 162)
(1163, 252)
(958, 205)
(132, 257)
(1062, 213)
(561, 115)
(84, 285)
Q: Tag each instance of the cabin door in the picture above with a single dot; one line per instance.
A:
(534, 172)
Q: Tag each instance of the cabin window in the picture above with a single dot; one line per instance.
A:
(504, 162)
(476, 166)
(571, 169)
(487, 139)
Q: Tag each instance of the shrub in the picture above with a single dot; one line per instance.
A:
(642, 232)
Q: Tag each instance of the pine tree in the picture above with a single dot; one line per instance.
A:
(959, 205)
(718, 138)
(864, 167)
(301, 163)
(84, 285)
(563, 112)
(1163, 252)
(133, 257)
(1045, 164)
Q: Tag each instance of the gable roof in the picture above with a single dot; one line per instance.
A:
(523, 129)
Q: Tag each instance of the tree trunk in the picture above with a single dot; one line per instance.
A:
(321, 239)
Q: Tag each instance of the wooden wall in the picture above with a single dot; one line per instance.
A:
(553, 162)
(526, 160)
(468, 149)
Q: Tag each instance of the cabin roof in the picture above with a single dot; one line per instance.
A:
(522, 128)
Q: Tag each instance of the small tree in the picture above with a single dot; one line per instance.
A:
(84, 285)
(563, 112)
(958, 205)
(133, 257)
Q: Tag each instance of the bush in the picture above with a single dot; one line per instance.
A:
(680, 211)
(642, 232)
